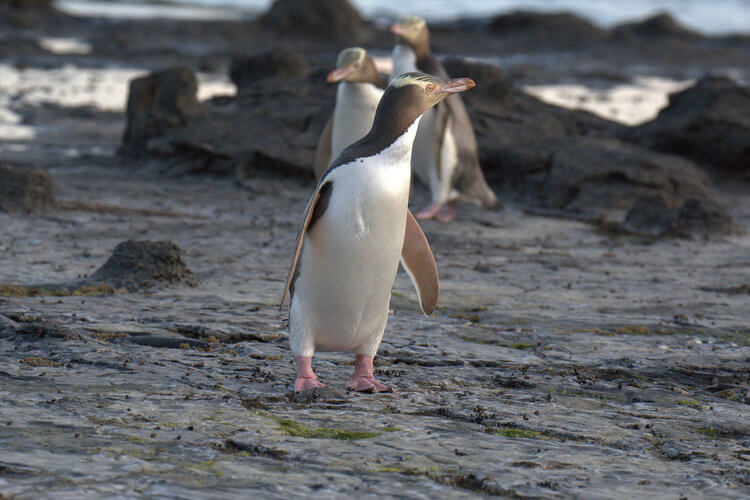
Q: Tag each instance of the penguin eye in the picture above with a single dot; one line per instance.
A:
(429, 88)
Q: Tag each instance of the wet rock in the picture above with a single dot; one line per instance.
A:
(560, 29)
(659, 27)
(276, 63)
(141, 264)
(708, 122)
(326, 19)
(157, 103)
(24, 188)
(652, 216)
(672, 450)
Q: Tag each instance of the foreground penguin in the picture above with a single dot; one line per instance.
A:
(445, 150)
(356, 228)
(357, 97)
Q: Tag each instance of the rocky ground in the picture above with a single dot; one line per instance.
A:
(567, 357)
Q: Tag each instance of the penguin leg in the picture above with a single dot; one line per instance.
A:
(306, 378)
(430, 211)
(447, 213)
(362, 380)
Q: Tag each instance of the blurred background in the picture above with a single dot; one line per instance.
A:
(709, 16)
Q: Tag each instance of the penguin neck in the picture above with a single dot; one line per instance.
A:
(398, 150)
(356, 90)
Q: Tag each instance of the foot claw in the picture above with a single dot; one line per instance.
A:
(307, 383)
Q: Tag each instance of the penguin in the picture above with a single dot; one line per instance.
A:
(355, 229)
(445, 149)
(357, 97)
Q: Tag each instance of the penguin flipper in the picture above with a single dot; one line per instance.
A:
(323, 151)
(419, 263)
(313, 211)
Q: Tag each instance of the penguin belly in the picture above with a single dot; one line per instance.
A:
(350, 259)
(353, 115)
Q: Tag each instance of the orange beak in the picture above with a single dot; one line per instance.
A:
(457, 85)
(398, 29)
(339, 74)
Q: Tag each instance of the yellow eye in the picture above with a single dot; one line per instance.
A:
(429, 88)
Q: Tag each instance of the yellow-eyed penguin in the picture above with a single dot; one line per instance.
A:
(445, 149)
(357, 97)
(356, 228)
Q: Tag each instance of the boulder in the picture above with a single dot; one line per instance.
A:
(158, 103)
(271, 128)
(708, 123)
(276, 63)
(562, 30)
(652, 216)
(333, 20)
(591, 176)
(24, 188)
(658, 27)
(135, 265)
(566, 161)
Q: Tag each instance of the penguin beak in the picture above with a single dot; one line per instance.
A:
(339, 74)
(456, 85)
(398, 29)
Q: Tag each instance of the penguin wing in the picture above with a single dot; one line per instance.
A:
(313, 211)
(323, 151)
(417, 260)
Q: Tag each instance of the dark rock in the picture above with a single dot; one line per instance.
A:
(141, 264)
(277, 63)
(659, 26)
(589, 176)
(566, 161)
(651, 216)
(708, 122)
(271, 128)
(24, 188)
(159, 102)
(563, 30)
(28, 13)
(336, 20)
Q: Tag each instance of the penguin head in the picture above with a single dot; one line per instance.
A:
(423, 91)
(409, 95)
(413, 32)
(354, 65)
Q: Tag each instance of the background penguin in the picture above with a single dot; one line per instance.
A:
(356, 228)
(445, 150)
(357, 98)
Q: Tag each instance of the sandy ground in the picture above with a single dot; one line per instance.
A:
(561, 361)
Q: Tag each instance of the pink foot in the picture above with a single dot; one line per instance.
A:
(429, 212)
(307, 383)
(306, 378)
(447, 213)
(362, 379)
(366, 384)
